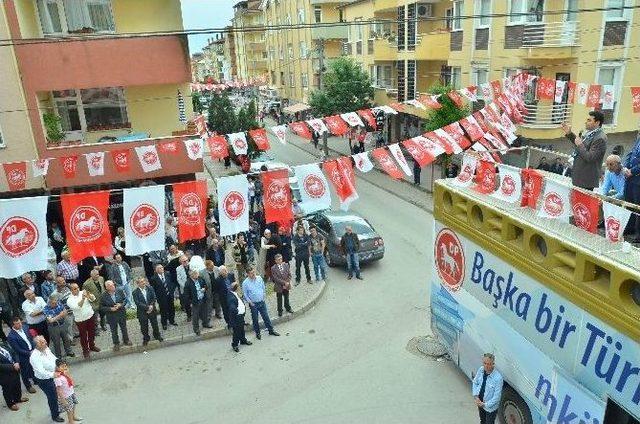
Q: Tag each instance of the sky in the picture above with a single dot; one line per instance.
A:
(198, 14)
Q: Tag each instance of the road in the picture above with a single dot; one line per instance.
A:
(344, 361)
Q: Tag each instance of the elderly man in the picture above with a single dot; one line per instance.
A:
(164, 288)
(56, 315)
(28, 283)
(95, 286)
(281, 276)
(590, 147)
(182, 275)
(254, 292)
(33, 308)
(215, 253)
(237, 310)
(350, 246)
(44, 370)
(613, 184)
(221, 287)
(48, 286)
(145, 299)
(63, 292)
(120, 273)
(80, 303)
(22, 344)
(66, 269)
(487, 389)
(10, 377)
(197, 293)
(208, 274)
(112, 303)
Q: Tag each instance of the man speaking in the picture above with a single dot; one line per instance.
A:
(590, 147)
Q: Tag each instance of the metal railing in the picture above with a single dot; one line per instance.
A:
(550, 34)
(546, 115)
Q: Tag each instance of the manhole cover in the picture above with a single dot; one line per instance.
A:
(430, 346)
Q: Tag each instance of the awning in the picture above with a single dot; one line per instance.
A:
(296, 107)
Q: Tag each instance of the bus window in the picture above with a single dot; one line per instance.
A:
(617, 415)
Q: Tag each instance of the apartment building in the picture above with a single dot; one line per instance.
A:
(250, 46)
(210, 62)
(110, 93)
(229, 49)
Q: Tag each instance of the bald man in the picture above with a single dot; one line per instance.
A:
(614, 180)
(112, 303)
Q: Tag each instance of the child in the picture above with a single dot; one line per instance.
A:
(67, 400)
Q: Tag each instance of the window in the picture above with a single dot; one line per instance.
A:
(304, 80)
(456, 75)
(317, 14)
(610, 75)
(290, 50)
(616, 9)
(526, 11)
(572, 10)
(483, 8)
(481, 76)
(449, 18)
(281, 77)
(301, 15)
(281, 53)
(303, 50)
(93, 109)
(458, 9)
(292, 82)
(75, 16)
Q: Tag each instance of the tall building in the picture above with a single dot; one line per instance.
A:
(107, 91)
(230, 63)
(248, 25)
(210, 63)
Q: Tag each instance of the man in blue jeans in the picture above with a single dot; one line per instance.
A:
(254, 292)
(350, 247)
(487, 389)
(317, 247)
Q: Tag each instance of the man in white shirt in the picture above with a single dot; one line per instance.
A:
(182, 272)
(43, 362)
(237, 310)
(79, 301)
(32, 308)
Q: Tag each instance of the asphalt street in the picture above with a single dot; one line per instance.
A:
(344, 361)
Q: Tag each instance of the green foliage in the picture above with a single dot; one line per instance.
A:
(346, 88)
(222, 118)
(53, 127)
(195, 100)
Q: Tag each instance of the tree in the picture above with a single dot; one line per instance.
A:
(346, 88)
(222, 118)
(195, 100)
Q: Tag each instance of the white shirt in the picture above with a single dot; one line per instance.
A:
(30, 307)
(123, 274)
(43, 363)
(80, 313)
(241, 308)
(144, 293)
(24, 337)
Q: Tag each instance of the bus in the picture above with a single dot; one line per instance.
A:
(557, 306)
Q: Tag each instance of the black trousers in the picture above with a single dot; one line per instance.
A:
(26, 372)
(11, 389)
(199, 311)
(300, 260)
(238, 331)
(632, 195)
(416, 174)
(184, 303)
(222, 297)
(280, 296)
(167, 313)
(114, 324)
(487, 417)
(48, 387)
(144, 319)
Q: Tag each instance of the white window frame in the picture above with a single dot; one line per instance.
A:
(62, 16)
(2, 142)
(475, 72)
(626, 13)
(478, 8)
(458, 11)
(617, 86)
(523, 18)
(304, 80)
(303, 49)
(456, 77)
(317, 9)
(290, 50)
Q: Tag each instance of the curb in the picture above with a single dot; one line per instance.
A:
(189, 338)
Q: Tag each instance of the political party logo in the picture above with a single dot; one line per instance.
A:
(400, 157)
(314, 186)
(613, 228)
(240, 143)
(169, 147)
(508, 186)
(553, 204)
(280, 133)
(95, 161)
(336, 178)
(69, 165)
(86, 224)
(16, 177)
(122, 159)
(195, 148)
(18, 236)
(466, 174)
(234, 205)
(217, 148)
(190, 209)
(277, 195)
(449, 258)
(581, 215)
(150, 158)
(144, 220)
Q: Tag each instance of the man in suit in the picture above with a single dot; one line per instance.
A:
(87, 265)
(120, 274)
(22, 344)
(209, 276)
(590, 147)
(112, 303)
(10, 377)
(28, 283)
(145, 299)
(215, 253)
(164, 288)
(95, 286)
(195, 293)
(182, 275)
(281, 276)
(221, 287)
(237, 310)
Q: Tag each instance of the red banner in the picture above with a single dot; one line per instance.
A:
(368, 117)
(485, 177)
(456, 98)
(336, 125)
(190, 202)
(69, 165)
(259, 137)
(593, 95)
(635, 99)
(571, 92)
(531, 187)
(481, 121)
(586, 209)
(340, 172)
(418, 152)
(397, 106)
(430, 101)
(546, 88)
(496, 86)
(121, 159)
(472, 128)
(455, 131)
(86, 224)
(276, 196)
(387, 163)
(218, 148)
(440, 141)
(301, 128)
(16, 174)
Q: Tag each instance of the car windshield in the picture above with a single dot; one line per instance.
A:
(258, 156)
(358, 225)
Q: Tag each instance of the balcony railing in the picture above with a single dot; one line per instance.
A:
(546, 115)
(550, 34)
(385, 84)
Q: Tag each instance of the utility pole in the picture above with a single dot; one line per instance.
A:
(325, 136)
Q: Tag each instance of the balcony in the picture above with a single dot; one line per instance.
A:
(385, 50)
(333, 32)
(550, 40)
(172, 163)
(547, 116)
(432, 46)
(382, 5)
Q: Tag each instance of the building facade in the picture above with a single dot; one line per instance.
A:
(250, 50)
(230, 63)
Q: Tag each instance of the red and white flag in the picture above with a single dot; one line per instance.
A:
(418, 152)
(238, 143)
(531, 187)
(487, 93)
(479, 117)
(302, 129)
(143, 212)
(496, 87)
(455, 130)
(430, 101)
(194, 148)
(86, 224)
(367, 116)
(40, 167)
(571, 94)
(485, 177)
(362, 161)
(95, 163)
(281, 133)
(472, 128)
(444, 140)
(69, 165)
(318, 126)
(233, 204)
(431, 147)
(276, 196)
(586, 210)
(168, 147)
(121, 159)
(510, 187)
(190, 202)
(314, 188)
(340, 172)
(470, 92)
(352, 119)
(336, 125)
(148, 157)
(259, 136)
(635, 99)
(397, 154)
(593, 95)
(582, 95)
(467, 171)
(386, 109)
(415, 104)
(399, 107)
(218, 148)
(23, 235)
(387, 163)
(560, 85)
(545, 89)
(16, 174)
(456, 98)
(615, 221)
(556, 201)
(608, 98)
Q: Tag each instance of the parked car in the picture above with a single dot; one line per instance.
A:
(264, 159)
(331, 224)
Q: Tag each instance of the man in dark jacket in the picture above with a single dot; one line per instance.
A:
(113, 303)
(197, 294)
(237, 310)
(350, 247)
(221, 286)
(215, 253)
(302, 243)
(145, 299)
(164, 287)
(10, 377)
(285, 245)
(631, 172)
(589, 151)
(22, 344)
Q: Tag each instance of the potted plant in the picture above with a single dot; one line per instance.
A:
(53, 127)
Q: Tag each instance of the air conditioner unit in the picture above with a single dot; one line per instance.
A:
(424, 10)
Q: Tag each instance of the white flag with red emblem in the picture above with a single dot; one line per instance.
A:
(194, 148)
(314, 188)
(40, 167)
(95, 163)
(615, 221)
(467, 171)
(559, 93)
(318, 126)
(23, 235)
(399, 157)
(352, 119)
(233, 204)
(238, 143)
(583, 89)
(148, 157)
(144, 229)
(556, 201)
(608, 99)
(510, 188)
(470, 93)
(281, 133)
(362, 161)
